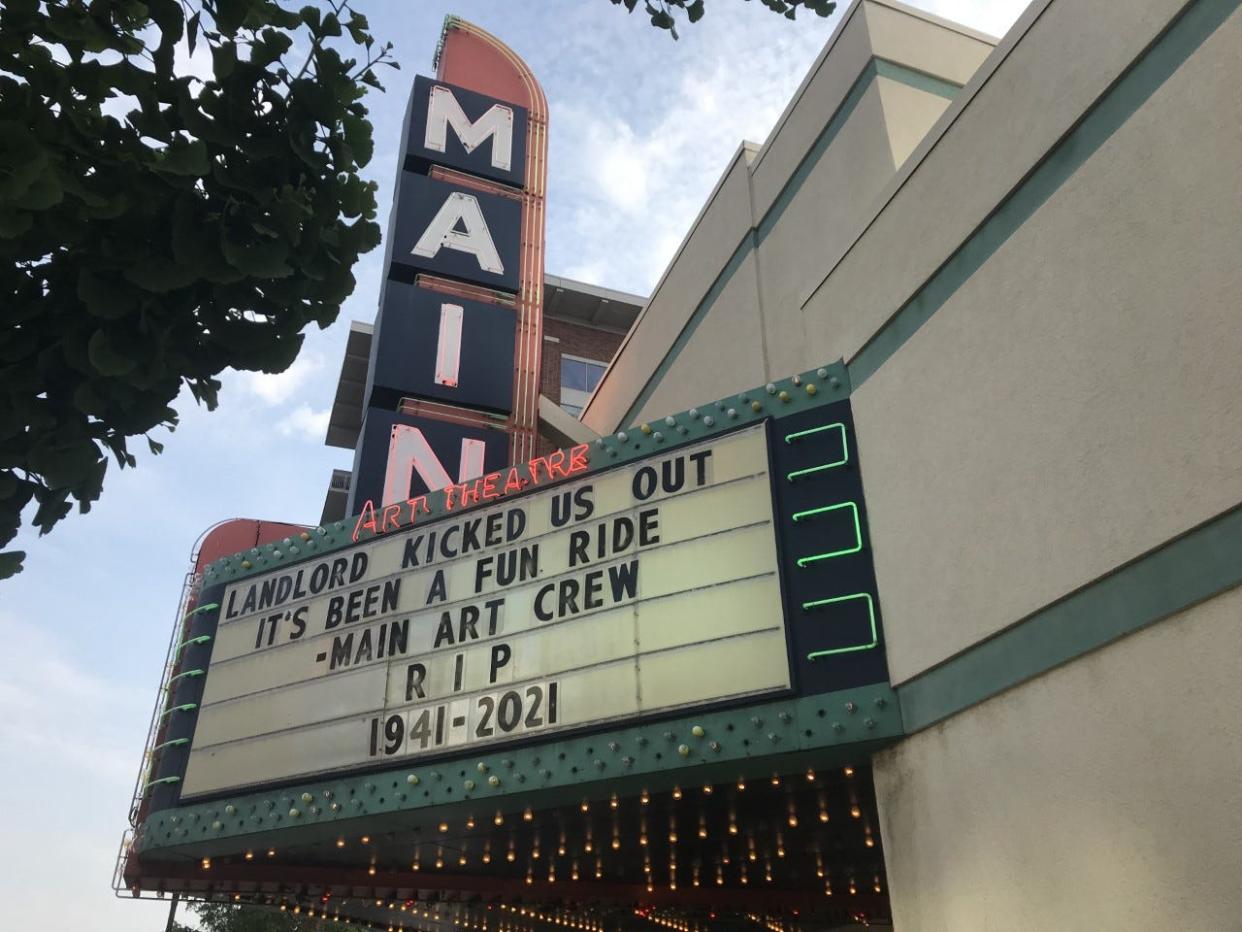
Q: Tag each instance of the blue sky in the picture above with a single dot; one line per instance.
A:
(640, 129)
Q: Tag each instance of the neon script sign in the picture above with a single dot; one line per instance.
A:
(540, 471)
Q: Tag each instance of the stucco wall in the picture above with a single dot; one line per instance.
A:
(818, 224)
(1075, 402)
(1057, 59)
(911, 113)
(812, 106)
(1102, 795)
(805, 203)
(712, 366)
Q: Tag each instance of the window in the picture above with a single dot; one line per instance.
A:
(578, 379)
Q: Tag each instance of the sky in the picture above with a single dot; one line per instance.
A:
(641, 128)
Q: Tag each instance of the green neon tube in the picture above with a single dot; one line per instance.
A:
(819, 603)
(209, 607)
(185, 707)
(815, 558)
(187, 673)
(811, 470)
(201, 639)
(174, 743)
(161, 780)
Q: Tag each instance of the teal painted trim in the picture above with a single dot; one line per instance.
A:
(919, 80)
(1183, 573)
(755, 237)
(1148, 72)
(754, 741)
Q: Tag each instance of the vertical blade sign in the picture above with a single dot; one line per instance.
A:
(452, 387)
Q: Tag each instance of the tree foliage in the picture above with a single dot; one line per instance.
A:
(662, 12)
(226, 917)
(157, 228)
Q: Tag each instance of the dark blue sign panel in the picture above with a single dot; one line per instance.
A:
(462, 129)
(830, 590)
(417, 455)
(454, 231)
(441, 347)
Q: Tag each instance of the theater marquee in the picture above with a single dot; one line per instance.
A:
(646, 588)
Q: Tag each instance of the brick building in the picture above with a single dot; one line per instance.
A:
(583, 326)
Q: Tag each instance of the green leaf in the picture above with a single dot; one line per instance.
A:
(695, 11)
(206, 392)
(223, 60)
(104, 298)
(265, 259)
(155, 446)
(133, 260)
(44, 192)
(191, 30)
(162, 275)
(88, 400)
(52, 507)
(269, 47)
(65, 466)
(11, 563)
(277, 356)
(358, 137)
(105, 357)
(183, 158)
(167, 15)
(358, 27)
(230, 14)
(13, 223)
(21, 157)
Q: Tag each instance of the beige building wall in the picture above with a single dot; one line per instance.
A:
(1071, 405)
(1037, 291)
(1103, 795)
(817, 224)
(1074, 403)
(717, 363)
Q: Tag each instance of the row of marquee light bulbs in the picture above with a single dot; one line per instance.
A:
(751, 855)
(518, 919)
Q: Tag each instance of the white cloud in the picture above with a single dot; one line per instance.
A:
(197, 65)
(278, 388)
(305, 421)
(633, 165)
(622, 160)
(637, 148)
